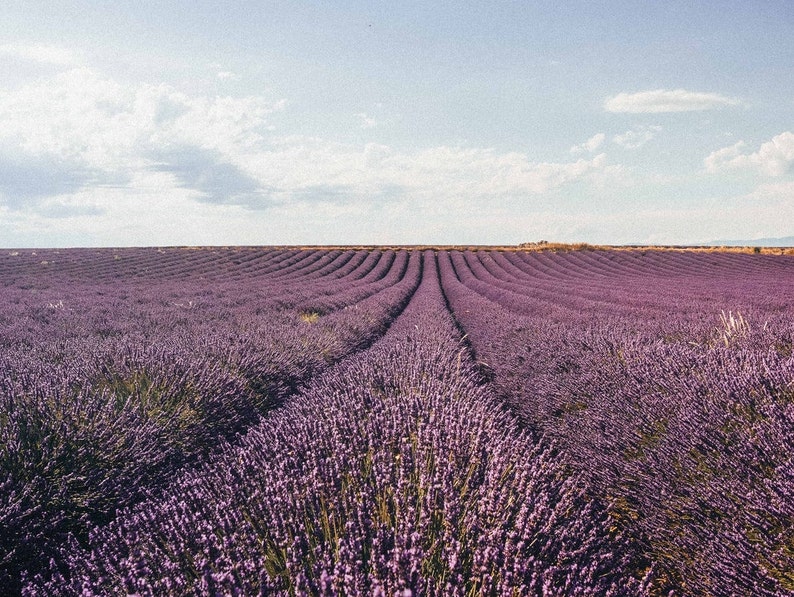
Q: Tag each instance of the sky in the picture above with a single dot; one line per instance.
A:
(199, 122)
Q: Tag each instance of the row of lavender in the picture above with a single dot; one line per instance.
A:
(110, 382)
(395, 472)
(100, 265)
(667, 380)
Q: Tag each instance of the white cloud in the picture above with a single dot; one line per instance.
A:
(636, 137)
(130, 160)
(92, 123)
(485, 173)
(225, 75)
(662, 100)
(113, 129)
(773, 158)
(367, 122)
(724, 158)
(300, 163)
(590, 145)
(42, 54)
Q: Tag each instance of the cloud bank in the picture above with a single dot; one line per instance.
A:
(661, 100)
(78, 130)
(773, 158)
(87, 158)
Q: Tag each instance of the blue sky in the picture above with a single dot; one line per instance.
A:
(198, 123)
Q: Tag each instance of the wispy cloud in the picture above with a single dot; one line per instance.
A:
(590, 145)
(484, 172)
(773, 158)
(294, 164)
(636, 137)
(42, 54)
(662, 100)
(367, 122)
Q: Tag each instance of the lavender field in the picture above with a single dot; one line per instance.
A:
(256, 421)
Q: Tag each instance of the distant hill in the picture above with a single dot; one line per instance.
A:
(786, 241)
